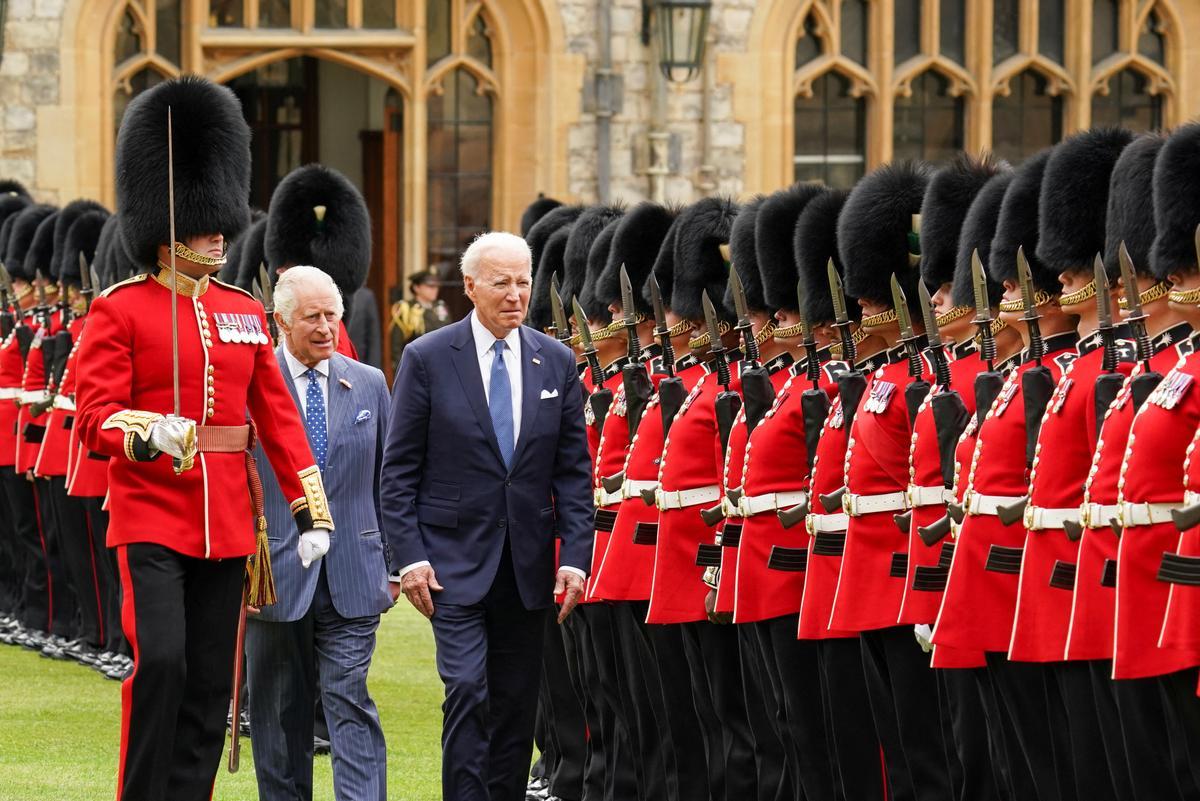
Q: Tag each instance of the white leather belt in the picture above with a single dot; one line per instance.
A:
(929, 496)
(976, 503)
(603, 497)
(1099, 515)
(32, 396)
(9, 393)
(820, 524)
(1145, 514)
(633, 489)
(1190, 498)
(858, 505)
(682, 499)
(1038, 518)
(64, 403)
(751, 505)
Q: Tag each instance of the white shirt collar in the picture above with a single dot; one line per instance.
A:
(297, 369)
(485, 339)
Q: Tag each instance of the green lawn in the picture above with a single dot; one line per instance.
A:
(59, 724)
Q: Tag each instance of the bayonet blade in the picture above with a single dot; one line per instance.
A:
(983, 306)
(1025, 278)
(710, 320)
(839, 298)
(268, 291)
(40, 282)
(627, 307)
(1103, 301)
(557, 312)
(900, 304)
(660, 314)
(585, 333)
(5, 279)
(1133, 298)
(85, 276)
(97, 284)
(739, 298)
(931, 327)
(801, 301)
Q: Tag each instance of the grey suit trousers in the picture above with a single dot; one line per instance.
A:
(286, 664)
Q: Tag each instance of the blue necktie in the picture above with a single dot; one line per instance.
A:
(500, 404)
(314, 417)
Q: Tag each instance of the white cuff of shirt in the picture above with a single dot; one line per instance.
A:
(574, 570)
(399, 576)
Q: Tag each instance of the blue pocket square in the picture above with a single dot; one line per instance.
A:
(363, 416)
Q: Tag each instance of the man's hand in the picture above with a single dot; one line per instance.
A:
(174, 436)
(314, 544)
(570, 586)
(395, 590)
(710, 609)
(418, 585)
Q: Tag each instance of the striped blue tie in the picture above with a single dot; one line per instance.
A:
(500, 404)
(314, 417)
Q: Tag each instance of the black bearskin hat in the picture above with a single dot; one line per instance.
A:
(978, 230)
(233, 255)
(252, 255)
(1017, 227)
(554, 251)
(944, 210)
(1130, 217)
(122, 266)
(539, 232)
(40, 255)
(1074, 199)
(6, 229)
(593, 306)
(82, 238)
(10, 206)
(317, 217)
(775, 241)
(24, 226)
(636, 244)
(1176, 203)
(536, 211)
(108, 232)
(584, 233)
(873, 233)
(212, 165)
(66, 218)
(814, 243)
(744, 257)
(699, 266)
(13, 188)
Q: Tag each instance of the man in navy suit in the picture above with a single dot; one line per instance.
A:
(321, 632)
(486, 460)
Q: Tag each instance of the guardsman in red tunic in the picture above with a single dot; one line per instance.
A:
(980, 597)
(1153, 480)
(958, 215)
(1071, 240)
(182, 519)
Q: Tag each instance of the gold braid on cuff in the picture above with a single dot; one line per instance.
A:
(313, 502)
(1153, 293)
(135, 425)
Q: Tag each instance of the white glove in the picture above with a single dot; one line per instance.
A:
(174, 436)
(314, 544)
(924, 634)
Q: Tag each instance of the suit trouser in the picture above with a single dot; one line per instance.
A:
(794, 668)
(64, 618)
(1030, 698)
(180, 615)
(78, 560)
(489, 659)
(903, 693)
(286, 665)
(689, 738)
(853, 742)
(642, 697)
(565, 730)
(35, 591)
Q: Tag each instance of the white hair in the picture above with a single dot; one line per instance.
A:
(495, 244)
(301, 275)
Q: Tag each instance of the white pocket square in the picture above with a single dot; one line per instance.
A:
(549, 393)
(363, 416)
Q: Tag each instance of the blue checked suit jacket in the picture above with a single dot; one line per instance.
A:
(356, 565)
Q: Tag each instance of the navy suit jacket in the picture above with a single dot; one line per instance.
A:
(447, 496)
(356, 566)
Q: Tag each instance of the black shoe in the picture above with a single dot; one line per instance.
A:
(321, 745)
(83, 653)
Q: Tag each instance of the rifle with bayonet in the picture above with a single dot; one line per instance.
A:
(1110, 381)
(950, 415)
(1144, 383)
(87, 283)
(918, 387)
(671, 393)
(988, 383)
(601, 397)
(267, 296)
(634, 375)
(814, 405)
(758, 393)
(852, 383)
(8, 319)
(561, 329)
(43, 306)
(728, 402)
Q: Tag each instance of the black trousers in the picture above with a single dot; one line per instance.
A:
(35, 584)
(1031, 699)
(12, 561)
(64, 607)
(854, 743)
(564, 732)
(641, 694)
(78, 557)
(181, 616)
(1089, 756)
(977, 752)
(903, 692)
(774, 750)
(1152, 713)
(691, 774)
(109, 576)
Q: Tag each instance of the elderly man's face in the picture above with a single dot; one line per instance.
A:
(312, 333)
(500, 292)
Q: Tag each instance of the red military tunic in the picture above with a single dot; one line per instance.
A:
(689, 480)
(628, 568)
(126, 385)
(1181, 622)
(1152, 472)
(827, 530)
(31, 429)
(55, 454)
(1060, 467)
(1093, 605)
(88, 470)
(731, 525)
(872, 579)
(12, 373)
(981, 592)
(609, 456)
(928, 566)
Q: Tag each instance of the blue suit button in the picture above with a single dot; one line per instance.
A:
(501, 523)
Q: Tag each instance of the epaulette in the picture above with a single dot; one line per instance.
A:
(234, 288)
(133, 279)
